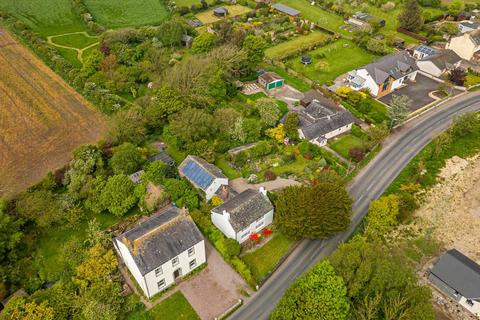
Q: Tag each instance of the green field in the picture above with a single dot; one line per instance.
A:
(45, 17)
(297, 42)
(126, 13)
(79, 41)
(338, 60)
(263, 260)
(316, 14)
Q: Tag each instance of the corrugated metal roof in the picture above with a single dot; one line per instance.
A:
(286, 9)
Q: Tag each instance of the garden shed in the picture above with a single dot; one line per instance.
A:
(270, 80)
(220, 12)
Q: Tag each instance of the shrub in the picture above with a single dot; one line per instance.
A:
(357, 154)
(269, 175)
(216, 201)
(242, 269)
(267, 232)
(232, 247)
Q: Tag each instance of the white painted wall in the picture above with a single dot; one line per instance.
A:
(475, 309)
(130, 263)
(168, 269)
(429, 67)
(255, 226)
(221, 221)
(214, 186)
(339, 131)
(463, 46)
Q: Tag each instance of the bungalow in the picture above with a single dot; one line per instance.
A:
(467, 26)
(319, 122)
(385, 75)
(465, 45)
(286, 10)
(249, 212)
(161, 250)
(439, 63)
(270, 80)
(203, 175)
(458, 277)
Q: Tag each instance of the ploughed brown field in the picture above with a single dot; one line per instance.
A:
(42, 119)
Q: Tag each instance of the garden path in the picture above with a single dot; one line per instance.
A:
(338, 155)
(79, 51)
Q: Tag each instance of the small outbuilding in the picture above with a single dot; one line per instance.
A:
(220, 12)
(286, 10)
(270, 80)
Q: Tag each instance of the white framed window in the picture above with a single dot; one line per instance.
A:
(193, 264)
(191, 251)
(260, 224)
(161, 284)
(158, 271)
(246, 234)
(175, 262)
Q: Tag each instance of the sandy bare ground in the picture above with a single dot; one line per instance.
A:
(42, 119)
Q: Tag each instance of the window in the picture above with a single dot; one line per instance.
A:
(161, 284)
(470, 302)
(193, 264)
(191, 251)
(246, 234)
(260, 224)
(158, 271)
(175, 262)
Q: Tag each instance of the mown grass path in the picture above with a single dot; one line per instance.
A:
(50, 40)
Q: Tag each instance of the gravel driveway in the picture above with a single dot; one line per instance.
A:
(215, 289)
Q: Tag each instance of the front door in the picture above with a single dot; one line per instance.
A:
(177, 273)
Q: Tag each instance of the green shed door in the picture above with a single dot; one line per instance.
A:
(271, 85)
(279, 83)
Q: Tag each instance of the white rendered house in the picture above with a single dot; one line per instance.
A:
(248, 212)
(385, 75)
(162, 249)
(439, 63)
(203, 175)
(465, 45)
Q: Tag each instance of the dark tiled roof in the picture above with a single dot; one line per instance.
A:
(136, 176)
(321, 127)
(160, 238)
(396, 65)
(443, 59)
(459, 273)
(475, 36)
(286, 9)
(220, 10)
(164, 157)
(470, 24)
(313, 94)
(246, 208)
(199, 172)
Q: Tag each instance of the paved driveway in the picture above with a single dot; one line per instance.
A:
(417, 91)
(288, 94)
(214, 290)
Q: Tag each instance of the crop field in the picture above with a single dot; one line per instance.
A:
(125, 13)
(207, 17)
(45, 17)
(283, 48)
(42, 119)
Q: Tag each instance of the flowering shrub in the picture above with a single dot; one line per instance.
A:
(254, 237)
(267, 232)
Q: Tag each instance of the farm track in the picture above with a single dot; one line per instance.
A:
(42, 119)
(80, 52)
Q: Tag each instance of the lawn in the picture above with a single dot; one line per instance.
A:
(343, 144)
(70, 55)
(176, 307)
(45, 17)
(207, 17)
(222, 163)
(338, 60)
(127, 13)
(283, 48)
(78, 41)
(263, 260)
(316, 14)
(189, 3)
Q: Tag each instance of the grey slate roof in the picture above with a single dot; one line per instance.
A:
(286, 9)
(396, 65)
(459, 273)
(470, 24)
(160, 238)
(313, 94)
(475, 36)
(325, 125)
(443, 59)
(246, 208)
(164, 157)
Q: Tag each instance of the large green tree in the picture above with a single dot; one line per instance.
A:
(382, 216)
(10, 237)
(291, 126)
(318, 295)
(118, 195)
(163, 103)
(127, 158)
(254, 47)
(314, 212)
(127, 125)
(411, 17)
(268, 110)
(399, 109)
(192, 125)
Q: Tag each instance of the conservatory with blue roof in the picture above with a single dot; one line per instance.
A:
(203, 175)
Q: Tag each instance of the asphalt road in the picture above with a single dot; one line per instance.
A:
(368, 185)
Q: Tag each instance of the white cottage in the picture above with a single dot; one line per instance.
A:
(465, 45)
(203, 175)
(248, 212)
(440, 62)
(161, 250)
(385, 75)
